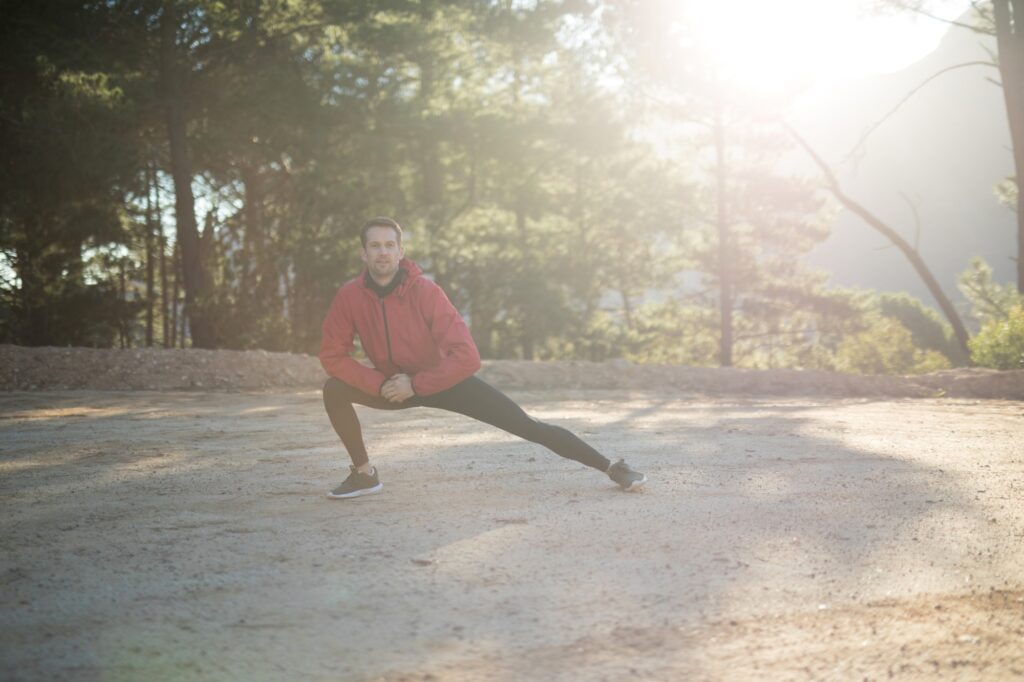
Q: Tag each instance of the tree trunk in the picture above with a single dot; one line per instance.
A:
(481, 324)
(584, 276)
(262, 271)
(526, 338)
(431, 170)
(193, 267)
(902, 244)
(724, 263)
(32, 293)
(182, 319)
(252, 246)
(162, 240)
(919, 265)
(121, 321)
(627, 309)
(150, 299)
(1009, 15)
(430, 161)
(176, 267)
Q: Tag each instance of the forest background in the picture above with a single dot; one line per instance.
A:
(577, 175)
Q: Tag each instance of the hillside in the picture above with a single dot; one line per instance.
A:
(940, 154)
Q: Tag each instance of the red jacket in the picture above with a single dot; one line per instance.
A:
(414, 330)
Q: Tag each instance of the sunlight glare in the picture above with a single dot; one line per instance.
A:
(772, 46)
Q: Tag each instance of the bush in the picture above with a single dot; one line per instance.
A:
(886, 347)
(1000, 343)
(989, 300)
(927, 329)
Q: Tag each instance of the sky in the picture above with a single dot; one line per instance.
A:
(776, 44)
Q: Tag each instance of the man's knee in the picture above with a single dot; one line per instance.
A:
(335, 389)
(533, 430)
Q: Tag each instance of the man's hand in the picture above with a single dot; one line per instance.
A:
(398, 388)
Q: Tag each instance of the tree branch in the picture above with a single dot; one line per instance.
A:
(909, 251)
(864, 138)
(982, 294)
(917, 220)
(759, 335)
(952, 22)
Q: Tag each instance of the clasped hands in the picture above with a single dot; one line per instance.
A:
(398, 388)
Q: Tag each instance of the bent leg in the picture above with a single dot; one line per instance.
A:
(477, 399)
(338, 400)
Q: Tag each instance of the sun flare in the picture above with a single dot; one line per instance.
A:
(777, 45)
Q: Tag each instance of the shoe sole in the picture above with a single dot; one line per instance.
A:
(357, 493)
(635, 484)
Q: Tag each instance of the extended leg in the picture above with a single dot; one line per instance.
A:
(477, 399)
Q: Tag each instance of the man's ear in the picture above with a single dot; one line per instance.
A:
(362, 255)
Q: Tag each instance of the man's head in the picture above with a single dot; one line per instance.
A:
(382, 248)
(380, 221)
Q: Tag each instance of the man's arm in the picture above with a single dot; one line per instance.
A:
(459, 356)
(336, 347)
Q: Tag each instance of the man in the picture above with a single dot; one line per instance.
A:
(423, 356)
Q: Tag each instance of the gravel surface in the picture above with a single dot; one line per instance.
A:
(186, 535)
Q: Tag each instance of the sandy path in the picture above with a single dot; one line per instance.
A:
(185, 535)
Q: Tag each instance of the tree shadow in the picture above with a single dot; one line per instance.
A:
(797, 521)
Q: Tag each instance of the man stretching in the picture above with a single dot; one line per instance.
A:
(423, 356)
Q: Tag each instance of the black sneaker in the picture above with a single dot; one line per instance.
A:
(357, 484)
(626, 477)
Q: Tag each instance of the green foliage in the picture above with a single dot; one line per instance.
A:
(927, 329)
(1006, 192)
(673, 333)
(989, 300)
(886, 347)
(1000, 344)
(528, 188)
(66, 129)
(891, 334)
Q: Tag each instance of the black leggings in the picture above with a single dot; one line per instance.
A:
(473, 398)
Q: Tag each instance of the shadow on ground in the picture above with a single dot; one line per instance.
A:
(169, 535)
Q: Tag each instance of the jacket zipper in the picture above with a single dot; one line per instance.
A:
(387, 334)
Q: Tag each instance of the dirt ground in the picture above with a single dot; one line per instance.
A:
(185, 535)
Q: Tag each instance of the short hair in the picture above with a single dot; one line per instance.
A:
(380, 221)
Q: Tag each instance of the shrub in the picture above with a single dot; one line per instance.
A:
(886, 347)
(1000, 343)
(989, 300)
(927, 329)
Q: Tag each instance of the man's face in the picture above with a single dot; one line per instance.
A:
(382, 253)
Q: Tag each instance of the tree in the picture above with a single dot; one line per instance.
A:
(178, 27)
(1009, 29)
(926, 328)
(754, 223)
(886, 347)
(989, 300)
(1000, 344)
(66, 128)
(832, 183)
(1003, 19)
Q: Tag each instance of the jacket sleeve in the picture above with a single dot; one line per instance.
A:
(336, 346)
(459, 356)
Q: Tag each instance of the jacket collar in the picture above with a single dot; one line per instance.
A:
(412, 271)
